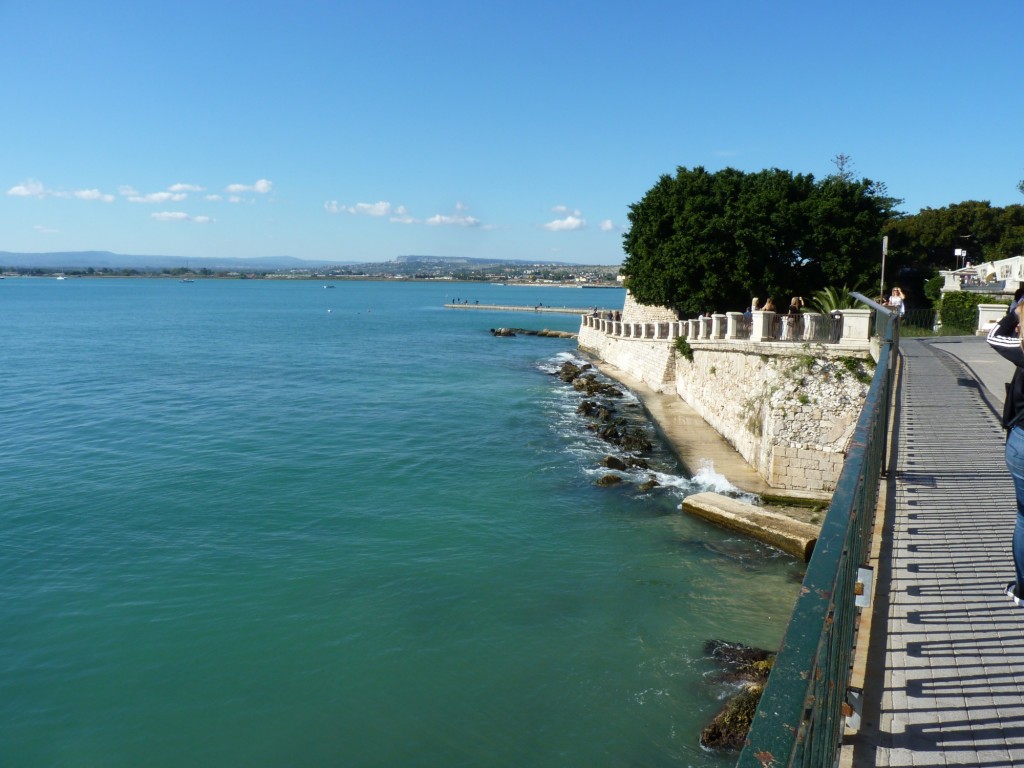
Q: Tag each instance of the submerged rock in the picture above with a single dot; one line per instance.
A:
(613, 462)
(607, 480)
(728, 729)
(748, 667)
(648, 485)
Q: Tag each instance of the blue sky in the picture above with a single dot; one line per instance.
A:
(364, 131)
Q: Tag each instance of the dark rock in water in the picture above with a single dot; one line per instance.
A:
(613, 462)
(587, 408)
(728, 729)
(736, 656)
(748, 667)
(637, 463)
(569, 371)
(635, 441)
(648, 485)
(607, 480)
(502, 332)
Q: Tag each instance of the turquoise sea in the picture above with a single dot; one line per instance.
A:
(268, 523)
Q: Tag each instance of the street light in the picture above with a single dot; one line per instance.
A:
(961, 256)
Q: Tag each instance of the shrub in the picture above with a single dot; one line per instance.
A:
(683, 348)
(959, 311)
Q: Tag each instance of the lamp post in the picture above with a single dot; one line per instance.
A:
(885, 250)
(961, 256)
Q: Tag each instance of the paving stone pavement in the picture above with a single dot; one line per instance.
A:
(945, 671)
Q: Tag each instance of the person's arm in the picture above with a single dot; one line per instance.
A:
(1004, 338)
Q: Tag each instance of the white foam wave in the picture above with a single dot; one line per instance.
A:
(707, 479)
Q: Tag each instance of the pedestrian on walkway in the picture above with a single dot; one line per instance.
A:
(1005, 339)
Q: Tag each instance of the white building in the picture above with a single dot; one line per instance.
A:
(1003, 276)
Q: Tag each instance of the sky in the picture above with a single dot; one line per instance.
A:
(346, 131)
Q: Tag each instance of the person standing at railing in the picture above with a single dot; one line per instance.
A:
(898, 301)
(791, 320)
(1005, 339)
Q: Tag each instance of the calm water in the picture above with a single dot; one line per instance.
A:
(272, 524)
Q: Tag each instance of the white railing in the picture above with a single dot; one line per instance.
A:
(848, 327)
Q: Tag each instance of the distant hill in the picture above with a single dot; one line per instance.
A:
(108, 260)
(58, 260)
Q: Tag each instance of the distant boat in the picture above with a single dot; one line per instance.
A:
(328, 286)
(187, 280)
(61, 277)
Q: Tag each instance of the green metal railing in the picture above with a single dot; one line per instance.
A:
(799, 721)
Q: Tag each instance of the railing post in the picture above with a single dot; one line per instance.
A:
(718, 326)
(732, 325)
(761, 326)
(856, 325)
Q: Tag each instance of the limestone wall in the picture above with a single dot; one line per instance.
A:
(651, 361)
(788, 409)
(790, 413)
(634, 312)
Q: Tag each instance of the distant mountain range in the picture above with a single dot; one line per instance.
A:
(57, 260)
(108, 260)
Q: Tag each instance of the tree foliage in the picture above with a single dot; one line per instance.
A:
(702, 241)
(927, 240)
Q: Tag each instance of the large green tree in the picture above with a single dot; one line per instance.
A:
(703, 241)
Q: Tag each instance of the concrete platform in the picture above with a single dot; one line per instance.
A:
(782, 532)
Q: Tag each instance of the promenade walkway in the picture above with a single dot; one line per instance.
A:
(945, 665)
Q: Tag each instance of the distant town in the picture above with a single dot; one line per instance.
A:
(103, 264)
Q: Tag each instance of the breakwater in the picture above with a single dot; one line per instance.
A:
(528, 308)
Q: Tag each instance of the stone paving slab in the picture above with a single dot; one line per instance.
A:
(945, 683)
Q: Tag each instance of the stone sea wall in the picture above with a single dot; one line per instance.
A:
(788, 409)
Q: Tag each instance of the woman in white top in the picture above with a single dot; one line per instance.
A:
(898, 301)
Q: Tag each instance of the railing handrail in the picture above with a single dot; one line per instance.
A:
(799, 721)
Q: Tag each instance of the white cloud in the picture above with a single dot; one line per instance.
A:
(457, 220)
(402, 217)
(33, 188)
(180, 216)
(214, 198)
(158, 197)
(185, 188)
(263, 186)
(568, 224)
(29, 188)
(381, 208)
(93, 194)
(607, 225)
(371, 209)
(565, 210)
(44, 230)
(234, 199)
(127, 190)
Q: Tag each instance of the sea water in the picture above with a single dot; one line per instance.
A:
(272, 523)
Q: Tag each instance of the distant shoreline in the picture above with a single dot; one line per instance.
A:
(304, 278)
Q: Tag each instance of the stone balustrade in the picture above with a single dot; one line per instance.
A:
(846, 328)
